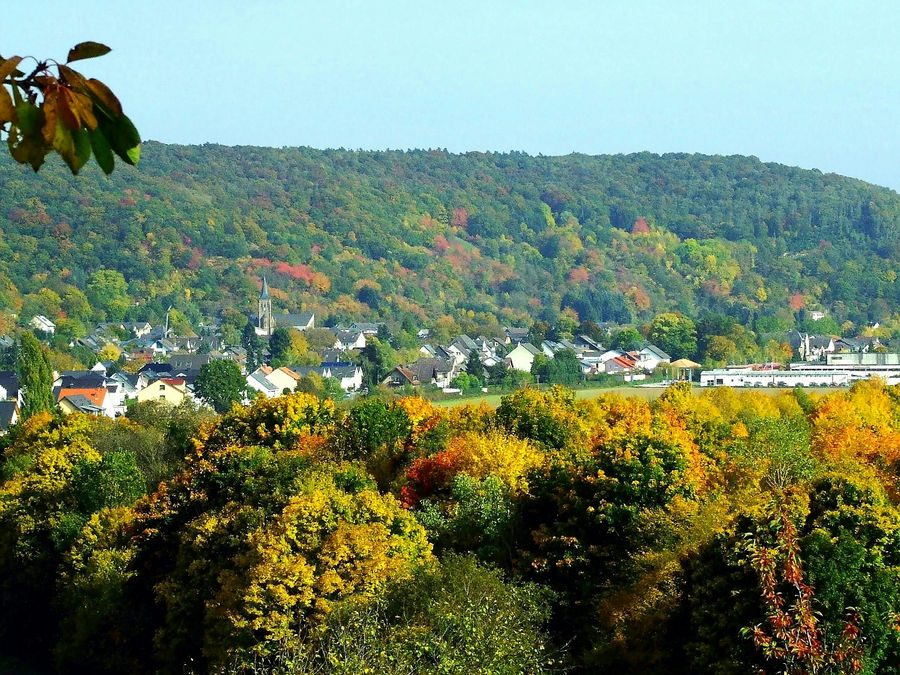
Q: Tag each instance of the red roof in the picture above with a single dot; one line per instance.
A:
(94, 394)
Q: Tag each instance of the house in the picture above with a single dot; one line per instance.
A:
(401, 376)
(516, 335)
(41, 322)
(651, 356)
(587, 343)
(464, 345)
(258, 381)
(366, 327)
(74, 403)
(348, 339)
(156, 370)
(522, 357)
(620, 365)
(855, 345)
(9, 415)
(131, 384)
(427, 371)
(350, 375)
(9, 386)
(283, 378)
(137, 328)
(91, 400)
(172, 390)
(183, 361)
(816, 346)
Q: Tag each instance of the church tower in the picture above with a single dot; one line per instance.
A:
(266, 318)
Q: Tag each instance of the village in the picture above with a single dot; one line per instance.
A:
(164, 366)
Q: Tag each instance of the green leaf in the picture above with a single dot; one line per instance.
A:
(102, 152)
(87, 50)
(31, 118)
(123, 138)
(82, 148)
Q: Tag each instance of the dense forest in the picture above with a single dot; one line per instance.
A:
(423, 237)
(726, 532)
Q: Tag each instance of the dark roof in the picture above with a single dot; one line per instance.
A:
(9, 380)
(7, 409)
(189, 361)
(83, 404)
(426, 369)
(156, 368)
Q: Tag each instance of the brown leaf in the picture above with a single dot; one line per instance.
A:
(7, 109)
(73, 78)
(8, 66)
(50, 108)
(67, 112)
(84, 107)
(105, 96)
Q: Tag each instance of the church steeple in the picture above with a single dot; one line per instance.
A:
(266, 318)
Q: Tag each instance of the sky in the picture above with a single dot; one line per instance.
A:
(809, 84)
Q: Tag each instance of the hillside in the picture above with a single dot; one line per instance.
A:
(416, 236)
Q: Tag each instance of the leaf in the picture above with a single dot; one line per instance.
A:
(51, 114)
(67, 111)
(7, 109)
(31, 118)
(102, 152)
(84, 108)
(73, 78)
(26, 149)
(104, 95)
(123, 138)
(8, 66)
(82, 147)
(87, 50)
(73, 145)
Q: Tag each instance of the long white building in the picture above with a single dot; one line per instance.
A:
(747, 377)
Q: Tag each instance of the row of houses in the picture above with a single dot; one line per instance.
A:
(272, 382)
(441, 364)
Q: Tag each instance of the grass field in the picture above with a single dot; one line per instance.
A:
(646, 393)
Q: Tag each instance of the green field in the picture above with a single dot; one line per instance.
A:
(646, 393)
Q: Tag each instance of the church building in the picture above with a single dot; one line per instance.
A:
(266, 321)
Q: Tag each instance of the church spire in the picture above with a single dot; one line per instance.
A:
(265, 290)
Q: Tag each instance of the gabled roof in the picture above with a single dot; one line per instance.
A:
(94, 395)
(463, 341)
(659, 353)
(83, 404)
(530, 348)
(156, 368)
(304, 319)
(261, 380)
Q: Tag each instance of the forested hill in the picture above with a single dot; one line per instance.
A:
(424, 234)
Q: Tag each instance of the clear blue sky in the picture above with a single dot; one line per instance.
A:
(812, 84)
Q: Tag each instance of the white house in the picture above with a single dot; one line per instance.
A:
(41, 322)
(522, 357)
(651, 356)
